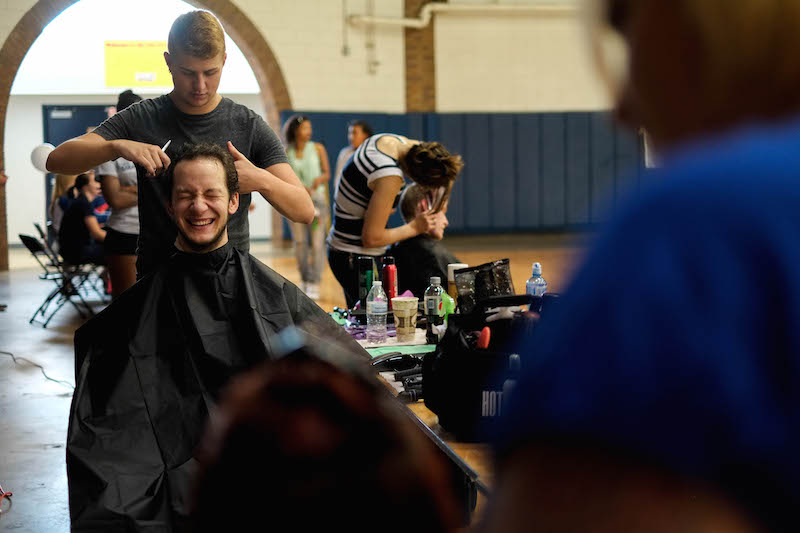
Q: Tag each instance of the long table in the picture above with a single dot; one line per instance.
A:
(473, 459)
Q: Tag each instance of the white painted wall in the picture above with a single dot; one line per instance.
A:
(25, 190)
(308, 36)
(514, 62)
(484, 62)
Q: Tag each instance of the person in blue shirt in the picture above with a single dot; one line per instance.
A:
(80, 236)
(663, 394)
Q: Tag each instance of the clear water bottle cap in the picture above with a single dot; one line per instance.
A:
(436, 280)
(537, 269)
(378, 283)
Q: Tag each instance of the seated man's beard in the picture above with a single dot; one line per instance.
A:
(200, 246)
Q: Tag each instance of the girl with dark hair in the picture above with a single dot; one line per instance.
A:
(367, 192)
(309, 160)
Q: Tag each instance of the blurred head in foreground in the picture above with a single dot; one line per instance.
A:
(688, 68)
(302, 443)
(655, 399)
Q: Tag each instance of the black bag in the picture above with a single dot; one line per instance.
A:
(464, 385)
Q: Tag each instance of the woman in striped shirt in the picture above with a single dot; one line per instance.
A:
(365, 196)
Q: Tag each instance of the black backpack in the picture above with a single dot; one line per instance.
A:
(464, 385)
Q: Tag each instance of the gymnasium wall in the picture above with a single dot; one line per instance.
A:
(516, 95)
(523, 171)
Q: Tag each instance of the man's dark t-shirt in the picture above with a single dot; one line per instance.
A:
(418, 259)
(157, 121)
(73, 235)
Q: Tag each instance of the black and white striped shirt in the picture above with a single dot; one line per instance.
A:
(352, 195)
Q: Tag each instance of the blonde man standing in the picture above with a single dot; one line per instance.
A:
(193, 112)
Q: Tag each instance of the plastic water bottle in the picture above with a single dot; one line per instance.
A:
(377, 309)
(433, 309)
(536, 285)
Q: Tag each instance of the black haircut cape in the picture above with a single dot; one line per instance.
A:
(149, 369)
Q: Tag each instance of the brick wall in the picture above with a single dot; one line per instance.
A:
(420, 63)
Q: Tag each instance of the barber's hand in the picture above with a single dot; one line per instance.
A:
(439, 224)
(149, 156)
(250, 176)
(424, 222)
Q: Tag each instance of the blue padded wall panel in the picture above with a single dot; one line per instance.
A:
(451, 134)
(417, 126)
(578, 190)
(626, 152)
(528, 197)
(524, 171)
(478, 173)
(603, 165)
(553, 155)
(503, 175)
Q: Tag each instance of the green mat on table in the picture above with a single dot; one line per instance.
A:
(420, 348)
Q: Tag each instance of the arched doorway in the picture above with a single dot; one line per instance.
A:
(248, 38)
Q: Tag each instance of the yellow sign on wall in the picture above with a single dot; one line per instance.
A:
(136, 64)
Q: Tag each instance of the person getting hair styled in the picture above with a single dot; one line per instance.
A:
(368, 191)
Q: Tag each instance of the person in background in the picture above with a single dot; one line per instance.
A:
(662, 393)
(366, 195)
(100, 207)
(80, 236)
(192, 112)
(424, 256)
(119, 186)
(309, 160)
(358, 131)
(63, 195)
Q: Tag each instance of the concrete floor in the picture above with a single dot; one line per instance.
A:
(34, 411)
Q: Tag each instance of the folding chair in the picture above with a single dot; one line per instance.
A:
(67, 280)
(51, 253)
(94, 280)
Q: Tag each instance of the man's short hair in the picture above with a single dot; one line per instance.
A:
(198, 34)
(189, 152)
(409, 201)
(365, 127)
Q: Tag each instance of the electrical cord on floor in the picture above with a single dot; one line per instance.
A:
(6, 496)
(40, 367)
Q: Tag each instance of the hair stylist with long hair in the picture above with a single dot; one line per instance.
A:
(367, 192)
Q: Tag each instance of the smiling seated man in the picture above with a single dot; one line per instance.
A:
(149, 367)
